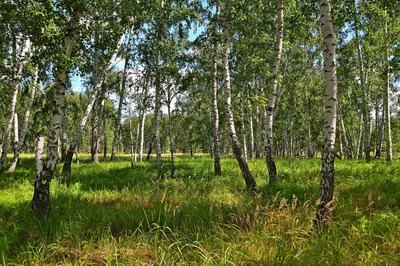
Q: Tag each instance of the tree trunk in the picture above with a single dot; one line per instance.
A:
(387, 128)
(131, 140)
(243, 126)
(324, 209)
(66, 172)
(117, 122)
(141, 147)
(363, 81)
(41, 196)
(214, 106)
(236, 147)
(105, 139)
(25, 124)
(15, 84)
(16, 132)
(273, 177)
(157, 108)
(378, 130)
(171, 138)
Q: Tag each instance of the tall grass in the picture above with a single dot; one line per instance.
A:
(111, 214)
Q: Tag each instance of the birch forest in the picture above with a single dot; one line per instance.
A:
(199, 132)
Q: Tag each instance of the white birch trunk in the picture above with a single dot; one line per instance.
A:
(25, 124)
(41, 196)
(158, 105)
(236, 147)
(387, 128)
(214, 105)
(273, 177)
(324, 209)
(15, 84)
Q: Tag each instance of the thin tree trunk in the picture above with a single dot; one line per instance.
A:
(237, 149)
(41, 196)
(387, 128)
(273, 177)
(16, 132)
(363, 81)
(324, 209)
(15, 84)
(137, 138)
(215, 111)
(21, 140)
(131, 140)
(243, 126)
(117, 122)
(142, 135)
(66, 172)
(105, 139)
(251, 133)
(378, 130)
(171, 137)
(157, 108)
(64, 138)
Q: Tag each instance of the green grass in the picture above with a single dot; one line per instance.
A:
(111, 214)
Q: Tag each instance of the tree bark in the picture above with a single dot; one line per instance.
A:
(17, 75)
(105, 139)
(273, 176)
(41, 196)
(157, 108)
(214, 105)
(236, 146)
(363, 82)
(387, 128)
(21, 140)
(324, 209)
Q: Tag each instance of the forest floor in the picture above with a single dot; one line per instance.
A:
(111, 214)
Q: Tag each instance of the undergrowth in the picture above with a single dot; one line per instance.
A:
(111, 214)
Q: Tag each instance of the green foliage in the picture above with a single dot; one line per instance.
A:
(112, 214)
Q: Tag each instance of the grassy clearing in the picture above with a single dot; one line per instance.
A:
(111, 214)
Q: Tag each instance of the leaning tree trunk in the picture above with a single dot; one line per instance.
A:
(157, 107)
(15, 83)
(236, 146)
(387, 128)
(41, 196)
(215, 112)
(25, 125)
(324, 209)
(141, 146)
(273, 177)
(66, 172)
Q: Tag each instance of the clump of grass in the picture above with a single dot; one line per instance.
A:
(112, 214)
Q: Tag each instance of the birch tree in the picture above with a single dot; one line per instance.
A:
(21, 139)
(273, 177)
(236, 146)
(324, 208)
(20, 50)
(41, 196)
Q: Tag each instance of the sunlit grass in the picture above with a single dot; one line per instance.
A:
(109, 213)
